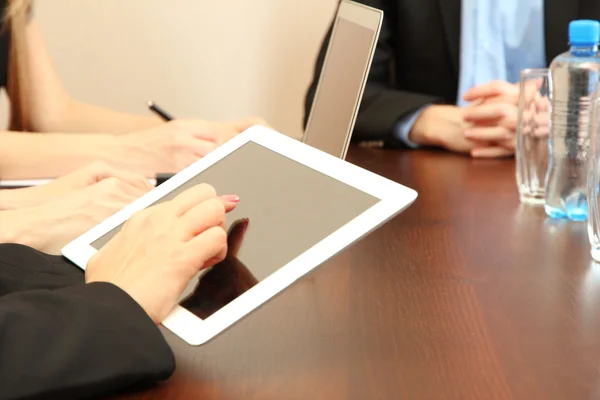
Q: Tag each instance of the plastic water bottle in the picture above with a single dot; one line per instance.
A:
(573, 77)
(594, 177)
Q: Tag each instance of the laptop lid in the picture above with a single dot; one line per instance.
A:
(343, 78)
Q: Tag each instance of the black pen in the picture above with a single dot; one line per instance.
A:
(160, 177)
(159, 111)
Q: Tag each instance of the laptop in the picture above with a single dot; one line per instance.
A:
(343, 78)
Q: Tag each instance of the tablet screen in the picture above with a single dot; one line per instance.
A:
(285, 209)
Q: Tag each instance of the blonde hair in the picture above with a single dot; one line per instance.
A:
(17, 13)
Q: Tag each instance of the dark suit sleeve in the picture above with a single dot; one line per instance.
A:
(382, 105)
(77, 342)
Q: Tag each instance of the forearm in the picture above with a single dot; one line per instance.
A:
(35, 156)
(78, 117)
(31, 156)
(51, 108)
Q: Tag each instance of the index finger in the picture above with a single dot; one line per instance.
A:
(192, 197)
(490, 89)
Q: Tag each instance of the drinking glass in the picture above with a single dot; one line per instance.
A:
(533, 128)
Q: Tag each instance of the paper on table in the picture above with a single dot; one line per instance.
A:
(23, 183)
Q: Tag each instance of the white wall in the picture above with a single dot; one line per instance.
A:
(197, 58)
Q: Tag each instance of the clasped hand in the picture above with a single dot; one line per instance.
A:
(492, 118)
(485, 128)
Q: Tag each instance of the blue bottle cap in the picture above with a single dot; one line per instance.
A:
(584, 32)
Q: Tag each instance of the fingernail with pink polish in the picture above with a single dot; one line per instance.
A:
(232, 198)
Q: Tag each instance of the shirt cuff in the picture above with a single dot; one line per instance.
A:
(405, 124)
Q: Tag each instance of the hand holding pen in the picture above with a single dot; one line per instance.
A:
(161, 177)
(192, 139)
(159, 111)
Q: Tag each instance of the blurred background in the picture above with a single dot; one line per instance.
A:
(196, 58)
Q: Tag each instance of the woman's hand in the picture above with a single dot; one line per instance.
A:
(50, 226)
(68, 184)
(160, 249)
(177, 144)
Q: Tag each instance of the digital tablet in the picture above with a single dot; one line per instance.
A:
(299, 206)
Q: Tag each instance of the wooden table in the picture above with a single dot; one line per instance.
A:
(466, 295)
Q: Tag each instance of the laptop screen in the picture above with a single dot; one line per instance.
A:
(341, 83)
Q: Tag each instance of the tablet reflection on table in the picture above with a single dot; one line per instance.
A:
(223, 282)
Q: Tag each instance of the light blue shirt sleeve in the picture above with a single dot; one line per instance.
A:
(403, 127)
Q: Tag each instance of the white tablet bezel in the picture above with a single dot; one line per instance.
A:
(394, 198)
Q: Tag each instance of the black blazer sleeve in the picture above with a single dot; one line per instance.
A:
(382, 104)
(77, 342)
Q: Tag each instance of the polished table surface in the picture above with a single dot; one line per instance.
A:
(465, 295)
